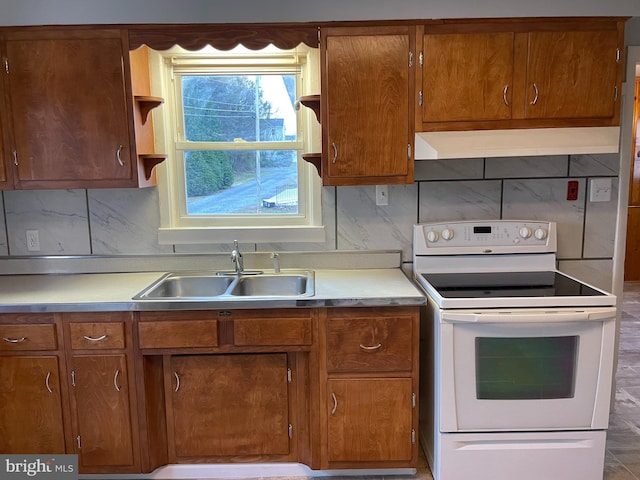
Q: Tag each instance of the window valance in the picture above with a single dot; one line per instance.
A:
(223, 36)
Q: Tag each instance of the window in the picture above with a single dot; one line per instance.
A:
(235, 136)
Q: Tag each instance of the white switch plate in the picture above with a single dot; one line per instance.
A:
(382, 195)
(33, 241)
(600, 190)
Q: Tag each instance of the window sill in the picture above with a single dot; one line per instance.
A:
(186, 235)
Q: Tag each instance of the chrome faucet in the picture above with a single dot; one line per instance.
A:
(236, 258)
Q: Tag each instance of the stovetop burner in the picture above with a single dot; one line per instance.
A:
(507, 284)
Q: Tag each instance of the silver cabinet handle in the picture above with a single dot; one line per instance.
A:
(79, 443)
(119, 157)
(175, 374)
(73, 378)
(615, 93)
(15, 158)
(373, 347)
(535, 98)
(335, 152)
(14, 340)
(46, 382)
(95, 339)
(504, 95)
(335, 403)
(115, 381)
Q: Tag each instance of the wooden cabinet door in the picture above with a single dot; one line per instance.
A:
(31, 419)
(228, 404)
(100, 392)
(370, 419)
(572, 74)
(366, 94)
(467, 77)
(68, 109)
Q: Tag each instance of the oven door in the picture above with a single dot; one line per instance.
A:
(526, 369)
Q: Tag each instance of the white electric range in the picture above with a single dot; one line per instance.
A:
(516, 357)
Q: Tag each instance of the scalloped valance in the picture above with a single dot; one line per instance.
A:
(223, 36)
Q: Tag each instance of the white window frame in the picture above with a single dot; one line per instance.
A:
(176, 227)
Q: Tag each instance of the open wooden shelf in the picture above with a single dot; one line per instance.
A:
(146, 104)
(312, 102)
(150, 160)
(315, 159)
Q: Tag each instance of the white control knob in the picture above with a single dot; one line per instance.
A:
(447, 234)
(525, 232)
(432, 236)
(540, 233)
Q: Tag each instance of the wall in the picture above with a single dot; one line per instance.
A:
(39, 12)
(125, 221)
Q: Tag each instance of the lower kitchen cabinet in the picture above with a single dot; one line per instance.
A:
(370, 419)
(31, 419)
(226, 386)
(32, 395)
(102, 392)
(370, 382)
(101, 397)
(228, 405)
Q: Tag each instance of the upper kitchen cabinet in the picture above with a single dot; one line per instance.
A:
(367, 105)
(519, 73)
(5, 181)
(69, 108)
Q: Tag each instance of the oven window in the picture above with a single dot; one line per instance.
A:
(525, 367)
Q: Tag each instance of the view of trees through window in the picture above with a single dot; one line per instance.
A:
(238, 109)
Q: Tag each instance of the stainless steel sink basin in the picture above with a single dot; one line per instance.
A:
(175, 286)
(277, 285)
(203, 286)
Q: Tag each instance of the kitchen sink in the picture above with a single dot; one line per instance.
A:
(205, 286)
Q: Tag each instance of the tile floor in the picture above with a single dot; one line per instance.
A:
(623, 440)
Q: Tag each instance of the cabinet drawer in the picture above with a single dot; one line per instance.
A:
(272, 331)
(178, 334)
(28, 337)
(97, 335)
(357, 344)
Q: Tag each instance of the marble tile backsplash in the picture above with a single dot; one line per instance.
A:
(125, 221)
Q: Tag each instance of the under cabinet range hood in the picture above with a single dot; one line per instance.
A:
(516, 143)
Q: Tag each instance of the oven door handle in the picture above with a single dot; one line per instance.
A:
(542, 316)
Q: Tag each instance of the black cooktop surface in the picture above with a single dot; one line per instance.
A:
(508, 284)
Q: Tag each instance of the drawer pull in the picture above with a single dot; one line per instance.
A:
(46, 382)
(373, 347)
(335, 403)
(95, 339)
(14, 340)
(175, 374)
(115, 381)
(504, 95)
(537, 92)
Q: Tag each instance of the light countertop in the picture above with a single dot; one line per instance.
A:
(115, 292)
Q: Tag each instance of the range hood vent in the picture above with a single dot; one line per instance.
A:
(516, 143)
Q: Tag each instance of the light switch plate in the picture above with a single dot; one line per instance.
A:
(600, 190)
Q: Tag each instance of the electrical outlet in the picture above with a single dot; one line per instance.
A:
(382, 195)
(33, 241)
(572, 190)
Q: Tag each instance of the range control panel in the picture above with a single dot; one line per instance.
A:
(490, 236)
